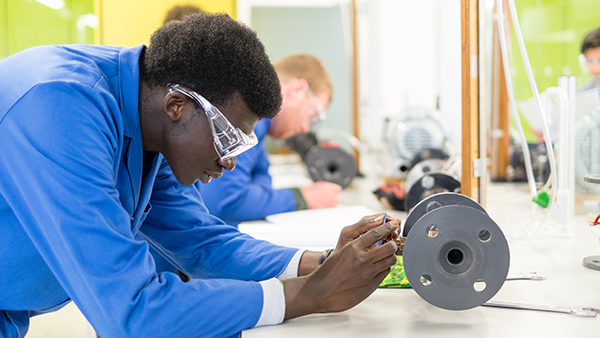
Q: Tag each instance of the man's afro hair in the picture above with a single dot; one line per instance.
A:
(216, 57)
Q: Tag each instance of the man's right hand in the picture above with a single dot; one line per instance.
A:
(346, 278)
(321, 195)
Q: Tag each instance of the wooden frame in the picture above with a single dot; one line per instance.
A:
(500, 140)
(474, 156)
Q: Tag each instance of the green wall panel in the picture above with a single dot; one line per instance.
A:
(552, 31)
(27, 23)
(3, 27)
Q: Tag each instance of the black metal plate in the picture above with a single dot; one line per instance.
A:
(429, 184)
(331, 165)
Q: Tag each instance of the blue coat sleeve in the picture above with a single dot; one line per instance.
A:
(58, 164)
(200, 244)
(246, 193)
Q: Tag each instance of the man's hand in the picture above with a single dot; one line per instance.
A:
(321, 195)
(310, 259)
(348, 276)
(351, 232)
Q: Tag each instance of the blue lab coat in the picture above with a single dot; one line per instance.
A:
(246, 193)
(71, 202)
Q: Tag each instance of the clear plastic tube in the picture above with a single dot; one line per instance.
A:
(536, 95)
(512, 102)
(561, 207)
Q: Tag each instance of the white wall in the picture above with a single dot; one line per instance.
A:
(409, 56)
(245, 6)
(401, 54)
(450, 78)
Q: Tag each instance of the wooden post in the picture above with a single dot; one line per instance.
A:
(500, 140)
(470, 183)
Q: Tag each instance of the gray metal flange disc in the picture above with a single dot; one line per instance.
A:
(456, 257)
(435, 201)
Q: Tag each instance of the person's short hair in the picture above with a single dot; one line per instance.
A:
(215, 56)
(591, 41)
(178, 12)
(305, 66)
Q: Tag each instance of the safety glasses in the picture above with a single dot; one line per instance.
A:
(228, 140)
(592, 61)
(584, 62)
(317, 113)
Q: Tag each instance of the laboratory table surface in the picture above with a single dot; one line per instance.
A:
(402, 313)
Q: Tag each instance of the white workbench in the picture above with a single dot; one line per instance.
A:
(402, 313)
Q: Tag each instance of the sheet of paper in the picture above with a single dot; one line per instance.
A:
(316, 229)
(586, 102)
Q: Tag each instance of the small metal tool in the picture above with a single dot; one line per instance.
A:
(527, 276)
(381, 241)
(579, 312)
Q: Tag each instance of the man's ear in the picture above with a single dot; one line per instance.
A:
(173, 105)
(295, 88)
(300, 84)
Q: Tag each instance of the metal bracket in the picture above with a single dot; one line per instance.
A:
(479, 167)
(400, 242)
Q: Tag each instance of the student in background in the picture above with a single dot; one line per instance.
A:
(588, 94)
(178, 12)
(590, 50)
(246, 193)
(587, 98)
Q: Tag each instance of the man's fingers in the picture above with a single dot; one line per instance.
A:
(381, 276)
(383, 268)
(367, 223)
(383, 251)
(385, 262)
(372, 236)
(352, 232)
(394, 219)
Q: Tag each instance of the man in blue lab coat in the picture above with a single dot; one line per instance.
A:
(102, 143)
(246, 193)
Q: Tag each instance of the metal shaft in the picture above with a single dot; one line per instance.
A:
(544, 308)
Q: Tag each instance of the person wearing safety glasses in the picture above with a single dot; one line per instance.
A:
(590, 55)
(246, 193)
(102, 143)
